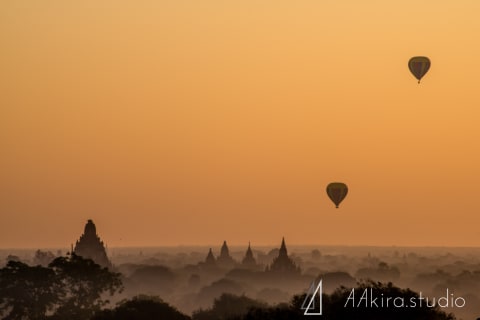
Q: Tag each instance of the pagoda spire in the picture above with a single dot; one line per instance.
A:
(249, 261)
(225, 260)
(283, 248)
(224, 252)
(90, 246)
(283, 263)
(210, 258)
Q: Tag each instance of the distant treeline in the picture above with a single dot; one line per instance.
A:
(74, 288)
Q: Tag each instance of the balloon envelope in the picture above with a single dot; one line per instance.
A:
(337, 191)
(419, 66)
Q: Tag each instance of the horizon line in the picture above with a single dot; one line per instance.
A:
(253, 246)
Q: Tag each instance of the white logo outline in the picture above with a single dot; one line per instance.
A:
(311, 294)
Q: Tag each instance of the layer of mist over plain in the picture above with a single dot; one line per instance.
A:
(178, 274)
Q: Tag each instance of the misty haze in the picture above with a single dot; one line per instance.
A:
(196, 280)
(239, 160)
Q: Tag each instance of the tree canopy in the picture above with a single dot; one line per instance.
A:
(141, 308)
(69, 288)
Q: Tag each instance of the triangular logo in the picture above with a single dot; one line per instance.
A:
(314, 293)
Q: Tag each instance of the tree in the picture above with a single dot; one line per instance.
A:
(154, 279)
(228, 306)
(141, 308)
(69, 288)
(84, 284)
(27, 292)
(336, 308)
(383, 272)
(43, 258)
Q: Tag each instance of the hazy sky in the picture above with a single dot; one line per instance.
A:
(193, 122)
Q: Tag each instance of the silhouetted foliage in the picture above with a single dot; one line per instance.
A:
(335, 307)
(27, 292)
(334, 280)
(383, 272)
(273, 295)
(216, 289)
(12, 257)
(228, 306)
(69, 288)
(141, 308)
(338, 305)
(84, 282)
(274, 313)
(43, 258)
(154, 279)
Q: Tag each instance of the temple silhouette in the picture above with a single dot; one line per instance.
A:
(225, 260)
(210, 259)
(91, 247)
(249, 261)
(283, 263)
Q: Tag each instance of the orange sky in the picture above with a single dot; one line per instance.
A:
(190, 122)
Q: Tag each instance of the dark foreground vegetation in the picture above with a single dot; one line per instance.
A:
(75, 288)
(333, 307)
(69, 288)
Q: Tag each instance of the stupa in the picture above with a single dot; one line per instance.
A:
(210, 259)
(249, 261)
(91, 247)
(225, 260)
(283, 263)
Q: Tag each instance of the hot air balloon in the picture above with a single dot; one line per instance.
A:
(419, 66)
(337, 191)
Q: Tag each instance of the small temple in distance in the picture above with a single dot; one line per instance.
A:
(225, 260)
(249, 261)
(283, 263)
(210, 259)
(90, 246)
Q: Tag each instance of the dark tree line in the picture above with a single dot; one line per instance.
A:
(141, 308)
(69, 288)
(228, 306)
(334, 307)
(74, 288)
